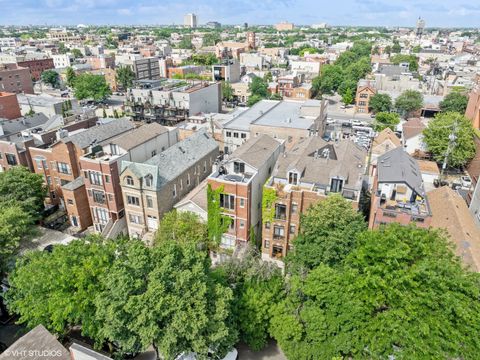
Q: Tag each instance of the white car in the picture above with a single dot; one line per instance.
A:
(356, 122)
(466, 182)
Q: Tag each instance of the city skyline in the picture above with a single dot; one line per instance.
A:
(442, 13)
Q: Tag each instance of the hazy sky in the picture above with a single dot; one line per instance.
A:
(446, 13)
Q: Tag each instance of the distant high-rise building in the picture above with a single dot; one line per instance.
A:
(420, 27)
(213, 25)
(251, 40)
(190, 20)
(245, 26)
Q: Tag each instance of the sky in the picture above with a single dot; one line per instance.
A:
(437, 13)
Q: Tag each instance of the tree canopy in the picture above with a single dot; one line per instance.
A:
(328, 231)
(386, 119)
(437, 138)
(70, 76)
(380, 103)
(50, 77)
(401, 292)
(412, 61)
(125, 77)
(181, 226)
(454, 101)
(227, 91)
(89, 86)
(409, 101)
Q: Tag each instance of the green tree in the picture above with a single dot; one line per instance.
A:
(183, 227)
(77, 54)
(409, 101)
(347, 97)
(89, 86)
(258, 87)
(256, 286)
(125, 76)
(416, 49)
(58, 289)
(15, 225)
(308, 50)
(380, 103)
(396, 48)
(183, 309)
(186, 42)
(401, 293)
(50, 77)
(19, 185)
(211, 39)
(71, 76)
(227, 91)
(454, 101)
(330, 78)
(268, 77)
(437, 138)
(386, 119)
(62, 49)
(253, 99)
(328, 232)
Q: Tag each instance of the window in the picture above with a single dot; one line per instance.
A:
(129, 180)
(280, 211)
(85, 174)
(63, 182)
(69, 201)
(278, 232)
(294, 208)
(101, 215)
(135, 219)
(243, 135)
(52, 194)
(63, 168)
(235, 135)
(149, 201)
(181, 184)
(148, 180)
(154, 152)
(293, 178)
(98, 196)
(242, 203)
(49, 180)
(41, 163)
(74, 221)
(292, 229)
(229, 134)
(238, 167)
(11, 159)
(110, 197)
(266, 244)
(107, 179)
(227, 201)
(336, 185)
(95, 177)
(267, 225)
(204, 166)
(188, 179)
(133, 200)
(174, 190)
(242, 224)
(114, 149)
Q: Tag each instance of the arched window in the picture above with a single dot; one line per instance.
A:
(148, 180)
(129, 180)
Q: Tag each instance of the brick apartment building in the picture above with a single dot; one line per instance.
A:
(398, 193)
(150, 189)
(242, 176)
(473, 107)
(15, 79)
(60, 162)
(37, 67)
(362, 99)
(9, 107)
(101, 62)
(101, 171)
(305, 176)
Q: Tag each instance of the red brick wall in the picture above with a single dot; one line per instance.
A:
(37, 67)
(9, 107)
(80, 207)
(15, 79)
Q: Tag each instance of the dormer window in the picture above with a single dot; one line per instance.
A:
(293, 178)
(336, 185)
(238, 167)
(148, 180)
(129, 180)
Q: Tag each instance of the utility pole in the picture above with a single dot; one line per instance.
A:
(451, 146)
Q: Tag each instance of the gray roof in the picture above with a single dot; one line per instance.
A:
(243, 121)
(139, 136)
(100, 133)
(78, 349)
(257, 150)
(15, 126)
(75, 184)
(318, 161)
(38, 339)
(391, 70)
(39, 100)
(169, 164)
(397, 166)
(287, 114)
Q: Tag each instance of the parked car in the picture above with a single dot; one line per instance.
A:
(466, 182)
